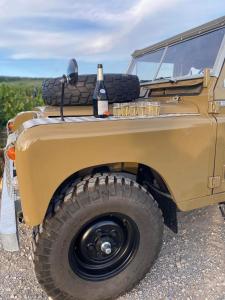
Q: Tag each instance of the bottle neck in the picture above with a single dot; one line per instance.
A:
(100, 74)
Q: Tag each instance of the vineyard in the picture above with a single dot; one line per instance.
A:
(18, 95)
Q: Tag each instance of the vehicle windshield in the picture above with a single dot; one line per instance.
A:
(186, 58)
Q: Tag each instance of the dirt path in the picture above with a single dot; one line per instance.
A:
(191, 264)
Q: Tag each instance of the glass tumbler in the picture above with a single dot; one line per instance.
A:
(156, 108)
(132, 109)
(116, 110)
(141, 108)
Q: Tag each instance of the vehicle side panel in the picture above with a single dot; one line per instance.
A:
(219, 96)
(181, 149)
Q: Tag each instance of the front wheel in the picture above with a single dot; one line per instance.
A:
(100, 242)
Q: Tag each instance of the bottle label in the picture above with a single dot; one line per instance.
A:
(102, 107)
(102, 91)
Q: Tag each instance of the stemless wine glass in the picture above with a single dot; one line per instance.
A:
(132, 109)
(116, 110)
(149, 109)
(145, 108)
(141, 105)
(153, 108)
(156, 108)
(122, 109)
(125, 109)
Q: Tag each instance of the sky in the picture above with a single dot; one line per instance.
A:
(38, 37)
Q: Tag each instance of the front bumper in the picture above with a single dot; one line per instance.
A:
(8, 221)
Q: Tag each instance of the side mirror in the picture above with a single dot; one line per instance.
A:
(70, 78)
(72, 72)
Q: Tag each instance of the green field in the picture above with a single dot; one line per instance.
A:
(18, 94)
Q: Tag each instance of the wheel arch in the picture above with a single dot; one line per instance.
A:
(70, 245)
(152, 180)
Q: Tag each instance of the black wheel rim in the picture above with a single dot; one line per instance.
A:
(104, 247)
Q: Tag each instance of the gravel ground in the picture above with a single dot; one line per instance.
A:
(191, 264)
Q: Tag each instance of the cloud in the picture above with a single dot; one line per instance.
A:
(94, 30)
(117, 21)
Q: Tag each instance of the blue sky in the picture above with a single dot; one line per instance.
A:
(38, 37)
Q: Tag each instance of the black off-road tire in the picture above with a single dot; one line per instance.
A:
(101, 194)
(120, 88)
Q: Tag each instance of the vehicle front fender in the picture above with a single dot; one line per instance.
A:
(177, 147)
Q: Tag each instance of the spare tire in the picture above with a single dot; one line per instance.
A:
(120, 88)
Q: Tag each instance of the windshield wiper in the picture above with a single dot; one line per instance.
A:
(143, 81)
(173, 80)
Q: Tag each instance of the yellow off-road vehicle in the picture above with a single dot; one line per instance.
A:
(97, 191)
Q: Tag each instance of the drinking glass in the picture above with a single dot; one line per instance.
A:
(125, 109)
(153, 108)
(116, 110)
(132, 109)
(156, 108)
(141, 108)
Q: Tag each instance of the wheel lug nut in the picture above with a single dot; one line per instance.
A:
(106, 248)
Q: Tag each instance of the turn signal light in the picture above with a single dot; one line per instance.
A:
(11, 153)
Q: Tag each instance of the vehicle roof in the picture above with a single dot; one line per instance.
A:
(210, 26)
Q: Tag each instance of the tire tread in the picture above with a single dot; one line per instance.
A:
(120, 88)
(44, 235)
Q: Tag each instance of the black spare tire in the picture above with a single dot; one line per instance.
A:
(120, 88)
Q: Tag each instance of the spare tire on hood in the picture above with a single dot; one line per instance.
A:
(120, 87)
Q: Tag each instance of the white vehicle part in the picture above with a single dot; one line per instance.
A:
(8, 224)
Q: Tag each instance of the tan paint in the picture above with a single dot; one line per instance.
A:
(181, 149)
(180, 83)
(23, 117)
(219, 94)
(202, 202)
(186, 150)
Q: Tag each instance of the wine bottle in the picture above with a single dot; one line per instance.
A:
(100, 97)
